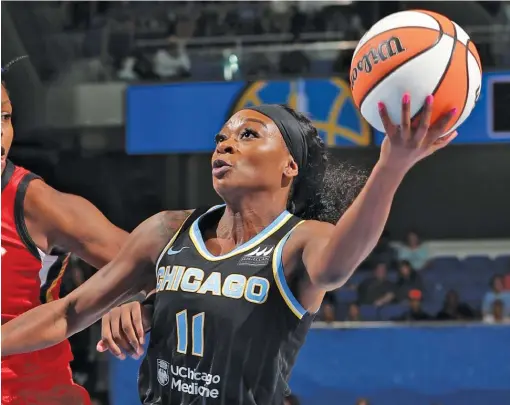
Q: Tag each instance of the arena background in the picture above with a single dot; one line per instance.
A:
(119, 102)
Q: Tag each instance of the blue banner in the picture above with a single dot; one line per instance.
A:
(452, 365)
(185, 117)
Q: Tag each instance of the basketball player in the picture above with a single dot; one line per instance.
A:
(36, 219)
(237, 285)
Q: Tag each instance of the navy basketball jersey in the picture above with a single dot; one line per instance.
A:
(226, 329)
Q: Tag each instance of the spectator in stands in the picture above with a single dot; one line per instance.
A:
(453, 310)
(329, 307)
(353, 313)
(376, 290)
(497, 314)
(415, 312)
(382, 253)
(291, 400)
(408, 279)
(497, 293)
(172, 62)
(414, 251)
(506, 278)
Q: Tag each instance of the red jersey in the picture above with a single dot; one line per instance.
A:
(25, 284)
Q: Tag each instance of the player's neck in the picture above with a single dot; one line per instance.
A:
(244, 219)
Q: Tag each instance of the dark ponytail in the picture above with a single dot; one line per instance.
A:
(325, 188)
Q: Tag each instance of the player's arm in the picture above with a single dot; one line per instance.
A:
(72, 223)
(332, 253)
(122, 278)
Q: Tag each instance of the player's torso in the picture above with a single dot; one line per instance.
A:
(21, 260)
(222, 330)
(26, 278)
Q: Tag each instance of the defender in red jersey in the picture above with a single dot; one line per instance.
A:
(35, 219)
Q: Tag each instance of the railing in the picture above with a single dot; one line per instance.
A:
(97, 44)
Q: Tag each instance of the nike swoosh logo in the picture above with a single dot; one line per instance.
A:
(172, 252)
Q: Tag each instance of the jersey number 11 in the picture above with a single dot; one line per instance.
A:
(197, 333)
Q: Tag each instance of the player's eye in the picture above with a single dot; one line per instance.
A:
(249, 133)
(219, 138)
(6, 116)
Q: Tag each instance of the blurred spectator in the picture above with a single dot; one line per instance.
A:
(506, 278)
(362, 401)
(291, 400)
(376, 290)
(353, 314)
(329, 307)
(127, 71)
(497, 314)
(453, 310)
(143, 67)
(383, 252)
(415, 312)
(414, 251)
(408, 279)
(172, 62)
(497, 293)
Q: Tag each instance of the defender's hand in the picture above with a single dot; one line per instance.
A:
(404, 146)
(123, 330)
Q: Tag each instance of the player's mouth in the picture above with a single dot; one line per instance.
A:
(220, 167)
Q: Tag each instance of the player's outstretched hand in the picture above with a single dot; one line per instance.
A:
(123, 330)
(405, 145)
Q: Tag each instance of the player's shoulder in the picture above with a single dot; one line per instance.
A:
(311, 229)
(164, 224)
(172, 220)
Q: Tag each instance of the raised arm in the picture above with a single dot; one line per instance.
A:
(126, 275)
(56, 219)
(332, 253)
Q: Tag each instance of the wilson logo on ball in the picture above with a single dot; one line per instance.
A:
(386, 49)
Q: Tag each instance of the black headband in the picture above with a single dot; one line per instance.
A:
(291, 130)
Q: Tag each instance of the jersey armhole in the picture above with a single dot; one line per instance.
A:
(185, 225)
(7, 174)
(281, 282)
(19, 215)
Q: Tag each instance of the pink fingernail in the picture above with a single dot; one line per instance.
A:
(454, 111)
(406, 99)
(429, 99)
(380, 105)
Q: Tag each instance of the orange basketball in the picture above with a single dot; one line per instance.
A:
(417, 52)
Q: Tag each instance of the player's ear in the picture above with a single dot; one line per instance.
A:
(291, 168)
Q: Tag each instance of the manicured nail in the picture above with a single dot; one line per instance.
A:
(380, 105)
(454, 111)
(406, 99)
(429, 99)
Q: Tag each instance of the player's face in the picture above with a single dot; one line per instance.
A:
(7, 130)
(251, 155)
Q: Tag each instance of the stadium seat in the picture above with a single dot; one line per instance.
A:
(369, 313)
(389, 312)
(346, 295)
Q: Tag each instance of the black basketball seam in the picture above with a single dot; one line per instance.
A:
(467, 86)
(440, 36)
(445, 70)
(406, 27)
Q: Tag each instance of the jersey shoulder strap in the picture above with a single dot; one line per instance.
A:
(185, 226)
(192, 218)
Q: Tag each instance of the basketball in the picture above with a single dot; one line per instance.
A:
(420, 53)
